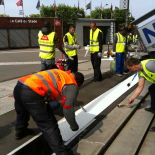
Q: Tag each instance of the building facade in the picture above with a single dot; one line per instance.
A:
(83, 29)
(23, 32)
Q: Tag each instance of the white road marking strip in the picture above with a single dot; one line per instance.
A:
(20, 63)
(93, 109)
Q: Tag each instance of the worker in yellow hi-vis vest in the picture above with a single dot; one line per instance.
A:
(71, 47)
(119, 46)
(47, 41)
(146, 71)
(96, 46)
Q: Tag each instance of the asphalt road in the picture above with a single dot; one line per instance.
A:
(26, 55)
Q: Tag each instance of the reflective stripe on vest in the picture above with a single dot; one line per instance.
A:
(94, 43)
(135, 38)
(149, 75)
(47, 85)
(47, 45)
(71, 41)
(120, 45)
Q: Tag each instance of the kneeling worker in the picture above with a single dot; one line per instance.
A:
(33, 93)
(71, 47)
(146, 71)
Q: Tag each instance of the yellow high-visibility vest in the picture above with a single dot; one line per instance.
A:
(120, 45)
(94, 43)
(47, 45)
(129, 38)
(150, 76)
(71, 41)
(135, 38)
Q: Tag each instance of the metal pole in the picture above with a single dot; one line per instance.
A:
(39, 8)
(23, 7)
(101, 10)
(127, 14)
(127, 21)
(90, 7)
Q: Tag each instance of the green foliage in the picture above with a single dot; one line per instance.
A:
(106, 14)
(96, 14)
(34, 15)
(2, 15)
(65, 12)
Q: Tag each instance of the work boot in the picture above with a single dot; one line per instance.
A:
(120, 75)
(23, 133)
(150, 110)
(152, 129)
(125, 73)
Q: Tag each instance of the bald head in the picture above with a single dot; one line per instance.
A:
(93, 26)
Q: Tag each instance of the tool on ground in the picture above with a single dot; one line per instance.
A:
(122, 104)
(83, 108)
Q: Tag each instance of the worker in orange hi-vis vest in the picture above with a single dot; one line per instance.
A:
(34, 95)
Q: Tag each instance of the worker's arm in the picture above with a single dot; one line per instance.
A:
(100, 42)
(138, 90)
(66, 44)
(114, 43)
(70, 93)
(56, 40)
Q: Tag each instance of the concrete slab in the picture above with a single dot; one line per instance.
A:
(129, 139)
(100, 135)
(148, 145)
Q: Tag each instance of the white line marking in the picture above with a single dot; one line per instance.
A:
(20, 63)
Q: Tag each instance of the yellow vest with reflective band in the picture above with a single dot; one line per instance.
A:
(71, 41)
(94, 43)
(150, 76)
(47, 45)
(135, 38)
(129, 38)
(120, 45)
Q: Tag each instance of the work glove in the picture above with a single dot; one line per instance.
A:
(99, 55)
(77, 46)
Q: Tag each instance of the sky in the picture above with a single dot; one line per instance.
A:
(138, 7)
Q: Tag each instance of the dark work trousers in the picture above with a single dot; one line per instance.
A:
(27, 103)
(120, 58)
(152, 94)
(96, 63)
(75, 64)
(48, 64)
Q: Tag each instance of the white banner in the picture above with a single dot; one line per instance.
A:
(147, 33)
(123, 4)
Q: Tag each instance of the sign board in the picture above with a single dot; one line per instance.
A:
(124, 4)
(147, 33)
(57, 22)
(21, 12)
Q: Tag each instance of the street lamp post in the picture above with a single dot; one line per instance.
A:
(103, 8)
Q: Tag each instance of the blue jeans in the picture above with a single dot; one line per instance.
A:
(54, 105)
(47, 64)
(120, 58)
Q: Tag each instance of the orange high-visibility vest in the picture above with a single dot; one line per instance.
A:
(49, 82)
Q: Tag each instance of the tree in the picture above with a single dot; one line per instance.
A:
(65, 12)
(96, 14)
(2, 15)
(34, 15)
(106, 14)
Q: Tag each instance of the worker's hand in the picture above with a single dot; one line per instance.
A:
(131, 100)
(77, 46)
(75, 128)
(99, 55)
